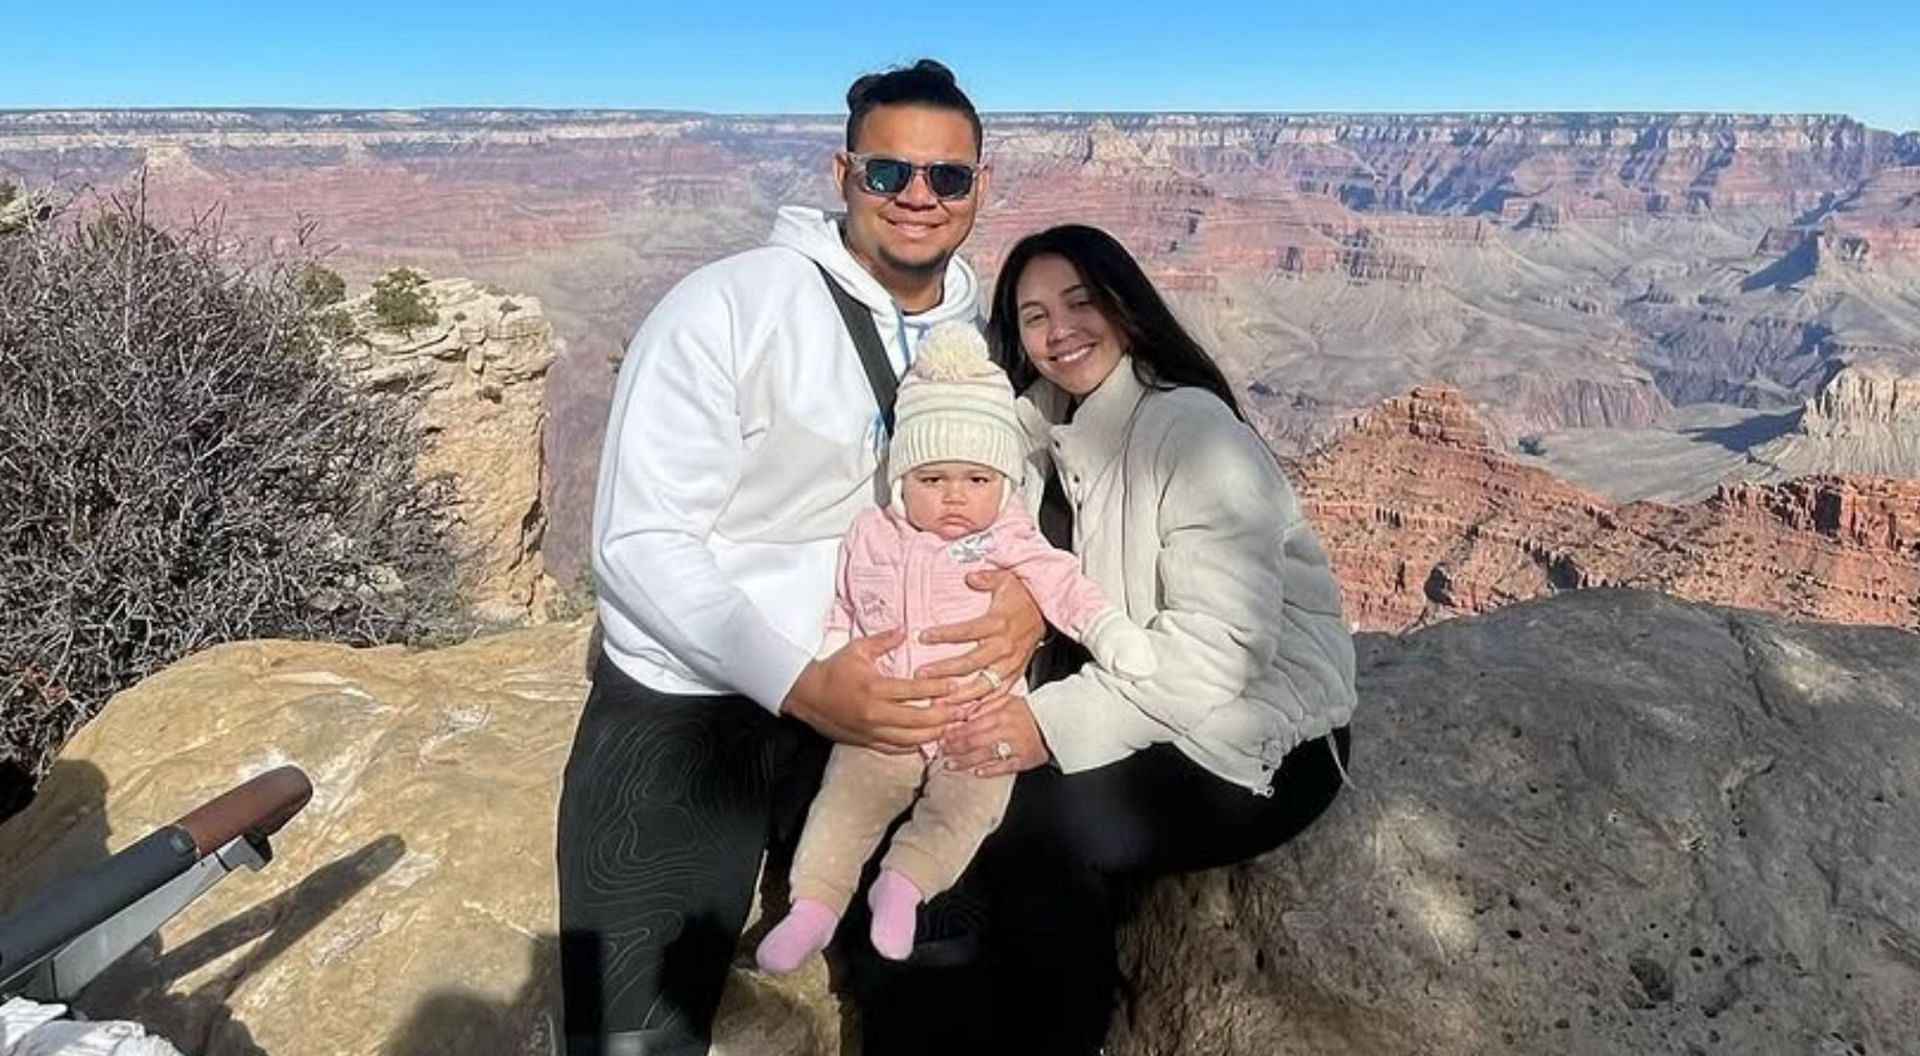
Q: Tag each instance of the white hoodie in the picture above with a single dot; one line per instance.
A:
(743, 440)
(28, 1028)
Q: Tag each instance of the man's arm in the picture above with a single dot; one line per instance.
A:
(674, 453)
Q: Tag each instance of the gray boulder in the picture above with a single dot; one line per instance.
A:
(1610, 822)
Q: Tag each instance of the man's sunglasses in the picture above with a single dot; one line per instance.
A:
(889, 176)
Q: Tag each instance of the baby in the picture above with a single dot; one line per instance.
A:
(954, 466)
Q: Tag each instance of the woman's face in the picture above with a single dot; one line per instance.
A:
(1066, 337)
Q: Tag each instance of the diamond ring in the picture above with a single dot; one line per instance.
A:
(1003, 749)
(992, 677)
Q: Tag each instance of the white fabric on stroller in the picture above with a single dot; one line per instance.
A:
(31, 1029)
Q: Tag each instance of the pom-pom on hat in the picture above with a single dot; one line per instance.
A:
(955, 405)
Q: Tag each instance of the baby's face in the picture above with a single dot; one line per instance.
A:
(951, 499)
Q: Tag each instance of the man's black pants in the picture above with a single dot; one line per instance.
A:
(668, 804)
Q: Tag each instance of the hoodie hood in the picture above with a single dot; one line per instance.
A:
(816, 235)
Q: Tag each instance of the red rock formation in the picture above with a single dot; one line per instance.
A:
(1187, 232)
(1876, 226)
(1874, 512)
(1198, 195)
(1425, 520)
(1880, 223)
(1582, 164)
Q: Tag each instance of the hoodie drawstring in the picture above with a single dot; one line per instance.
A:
(906, 358)
(906, 348)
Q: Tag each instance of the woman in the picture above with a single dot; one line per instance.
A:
(1183, 516)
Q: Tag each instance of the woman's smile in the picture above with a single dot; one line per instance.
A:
(1073, 356)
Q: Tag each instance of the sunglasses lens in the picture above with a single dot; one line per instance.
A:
(950, 181)
(887, 175)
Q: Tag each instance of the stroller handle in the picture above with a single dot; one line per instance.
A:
(257, 808)
(68, 934)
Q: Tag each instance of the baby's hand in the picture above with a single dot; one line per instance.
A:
(1119, 646)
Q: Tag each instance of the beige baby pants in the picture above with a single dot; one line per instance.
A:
(860, 795)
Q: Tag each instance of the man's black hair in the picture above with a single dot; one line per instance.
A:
(925, 83)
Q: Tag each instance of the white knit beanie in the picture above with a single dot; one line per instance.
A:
(955, 405)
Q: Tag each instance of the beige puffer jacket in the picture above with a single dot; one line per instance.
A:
(1184, 518)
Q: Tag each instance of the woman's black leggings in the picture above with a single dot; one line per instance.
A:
(1056, 876)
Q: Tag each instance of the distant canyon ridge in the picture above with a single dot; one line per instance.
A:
(1650, 305)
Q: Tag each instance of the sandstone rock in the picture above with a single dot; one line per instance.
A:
(1857, 397)
(1554, 808)
(1868, 512)
(410, 909)
(1878, 227)
(1607, 823)
(1865, 419)
(394, 885)
(479, 376)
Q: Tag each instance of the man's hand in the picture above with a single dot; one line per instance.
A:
(977, 744)
(1004, 640)
(849, 702)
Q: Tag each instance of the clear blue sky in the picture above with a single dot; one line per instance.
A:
(755, 56)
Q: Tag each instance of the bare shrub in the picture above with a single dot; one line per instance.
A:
(180, 466)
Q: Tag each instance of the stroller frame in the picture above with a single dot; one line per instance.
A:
(62, 940)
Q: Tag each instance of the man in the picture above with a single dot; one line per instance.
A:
(744, 437)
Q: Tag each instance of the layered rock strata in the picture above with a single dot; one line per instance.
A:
(478, 376)
(1426, 520)
(1865, 420)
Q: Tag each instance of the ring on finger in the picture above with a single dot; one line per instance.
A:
(1002, 749)
(991, 676)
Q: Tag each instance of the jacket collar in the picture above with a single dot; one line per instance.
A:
(1099, 428)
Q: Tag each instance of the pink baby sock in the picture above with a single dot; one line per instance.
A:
(895, 901)
(806, 931)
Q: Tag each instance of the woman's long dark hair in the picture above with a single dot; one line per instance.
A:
(1163, 354)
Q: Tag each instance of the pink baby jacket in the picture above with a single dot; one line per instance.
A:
(892, 574)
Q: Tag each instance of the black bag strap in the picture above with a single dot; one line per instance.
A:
(866, 338)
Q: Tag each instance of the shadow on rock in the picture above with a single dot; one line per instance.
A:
(1748, 433)
(16, 788)
(200, 1020)
(456, 1020)
(46, 847)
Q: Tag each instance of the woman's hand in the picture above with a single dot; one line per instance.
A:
(999, 740)
(1003, 641)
